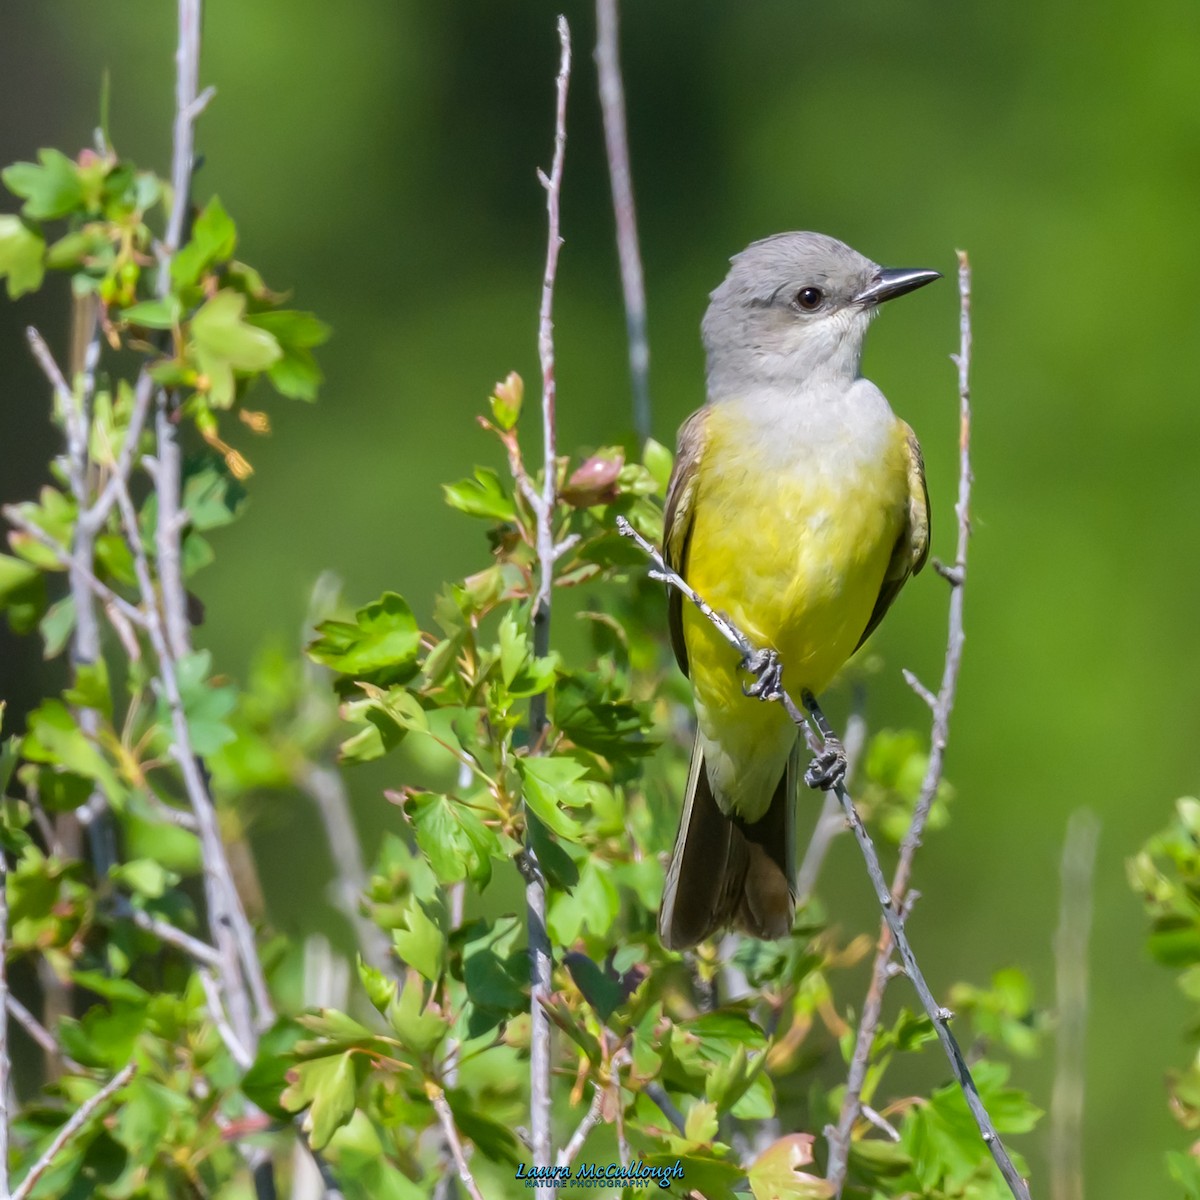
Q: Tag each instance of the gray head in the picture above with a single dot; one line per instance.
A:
(795, 307)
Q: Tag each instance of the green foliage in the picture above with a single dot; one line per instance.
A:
(439, 1011)
(1166, 875)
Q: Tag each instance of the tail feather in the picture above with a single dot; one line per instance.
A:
(725, 871)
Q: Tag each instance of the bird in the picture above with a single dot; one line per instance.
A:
(798, 508)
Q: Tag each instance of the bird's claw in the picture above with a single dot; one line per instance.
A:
(767, 670)
(828, 768)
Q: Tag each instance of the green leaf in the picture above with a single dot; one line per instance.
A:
(205, 706)
(701, 1123)
(145, 877)
(380, 988)
(296, 375)
(54, 738)
(50, 190)
(453, 837)
(56, 626)
(329, 1087)
(153, 314)
(776, 1174)
(601, 990)
(22, 593)
(495, 972)
(381, 645)
(493, 1140)
(211, 494)
(552, 785)
(418, 1026)
(265, 1081)
(505, 401)
(482, 496)
(213, 240)
(592, 904)
(419, 942)
(22, 256)
(90, 688)
(658, 460)
(225, 343)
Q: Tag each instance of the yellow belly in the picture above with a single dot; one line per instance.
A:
(796, 557)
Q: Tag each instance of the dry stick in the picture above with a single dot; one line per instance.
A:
(85, 637)
(324, 786)
(38, 1032)
(230, 926)
(540, 961)
(440, 1105)
(78, 1120)
(616, 143)
(831, 823)
(590, 1120)
(940, 705)
(193, 947)
(1071, 971)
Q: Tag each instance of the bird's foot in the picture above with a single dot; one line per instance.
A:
(767, 670)
(828, 768)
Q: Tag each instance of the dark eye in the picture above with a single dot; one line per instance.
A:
(809, 298)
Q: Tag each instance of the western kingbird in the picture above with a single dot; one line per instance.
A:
(798, 508)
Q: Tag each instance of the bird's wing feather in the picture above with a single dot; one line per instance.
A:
(677, 520)
(912, 546)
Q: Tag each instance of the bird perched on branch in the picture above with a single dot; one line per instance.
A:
(798, 508)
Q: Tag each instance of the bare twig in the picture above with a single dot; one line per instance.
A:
(540, 960)
(238, 1050)
(616, 143)
(13, 516)
(940, 706)
(79, 1118)
(39, 1033)
(831, 823)
(1071, 971)
(441, 1106)
(324, 786)
(590, 1120)
(227, 917)
(193, 947)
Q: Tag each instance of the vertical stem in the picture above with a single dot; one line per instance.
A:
(616, 142)
(1071, 984)
(541, 962)
(942, 704)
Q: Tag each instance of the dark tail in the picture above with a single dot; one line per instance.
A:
(727, 872)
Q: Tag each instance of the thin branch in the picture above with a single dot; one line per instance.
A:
(590, 1120)
(831, 823)
(39, 1033)
(79, 1118)
(324, 786)
(193, 947)
(227, 917)
(540, 959)
(1071, 974)
(440, 1105)
(216, 1010)
(616, 144)
(940, 706)
(14, 517)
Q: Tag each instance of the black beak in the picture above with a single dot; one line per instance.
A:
(890, 282)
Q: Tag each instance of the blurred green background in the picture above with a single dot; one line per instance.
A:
(380, 159)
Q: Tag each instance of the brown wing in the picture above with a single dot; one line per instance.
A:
(677, 520)
(912, 546)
